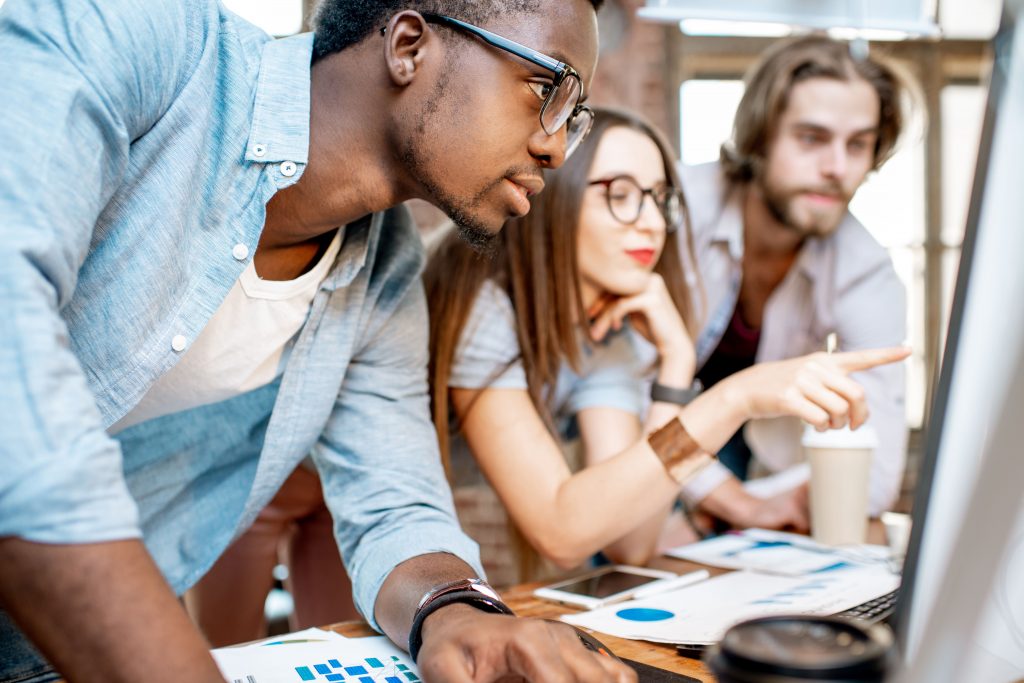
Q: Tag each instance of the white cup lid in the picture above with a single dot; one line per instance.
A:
(863, 437)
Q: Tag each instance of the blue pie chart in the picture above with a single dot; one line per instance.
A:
(644, 614)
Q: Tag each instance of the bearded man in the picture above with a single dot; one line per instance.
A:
(785, 264)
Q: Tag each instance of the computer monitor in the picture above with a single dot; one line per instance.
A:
(961, 611)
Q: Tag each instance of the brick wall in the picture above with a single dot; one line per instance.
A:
(631, 70)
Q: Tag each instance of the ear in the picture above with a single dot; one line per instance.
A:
(408, 41)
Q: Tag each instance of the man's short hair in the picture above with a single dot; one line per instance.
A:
(771, 80)
(340, 23)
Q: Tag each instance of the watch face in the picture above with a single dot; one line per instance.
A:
(484, 588)
(461, 585)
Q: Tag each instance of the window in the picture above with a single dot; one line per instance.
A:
(891, 205)
(969, 18)
(276, 17)
(963, 107)
(706, 109)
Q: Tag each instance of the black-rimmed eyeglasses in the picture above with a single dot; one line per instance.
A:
(561, 105)
(625, 200)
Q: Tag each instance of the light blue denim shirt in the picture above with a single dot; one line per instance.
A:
(141, 142)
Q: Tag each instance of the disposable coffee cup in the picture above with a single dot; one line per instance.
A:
(802, 648)
(840, 462)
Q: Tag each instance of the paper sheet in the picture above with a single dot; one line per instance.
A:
(776, 552)
(703, 612)
(315, 655)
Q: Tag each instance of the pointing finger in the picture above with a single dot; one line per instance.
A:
(853, 361)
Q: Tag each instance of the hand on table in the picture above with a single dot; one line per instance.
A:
(732, 503)
(787, 510)
(462, 644)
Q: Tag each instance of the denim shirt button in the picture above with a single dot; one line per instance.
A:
(259, 150)
(240, 251)
(178, 343)
(288, 169)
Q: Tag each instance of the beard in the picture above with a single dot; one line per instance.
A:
(815, 223)
(463, 212)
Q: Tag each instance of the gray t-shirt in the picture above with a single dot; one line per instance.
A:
(488, 355)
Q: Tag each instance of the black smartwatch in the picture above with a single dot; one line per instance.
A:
(474, 592)
(660, 392)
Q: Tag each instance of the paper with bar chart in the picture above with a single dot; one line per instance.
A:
(317, 656)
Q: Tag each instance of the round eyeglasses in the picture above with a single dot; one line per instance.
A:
(625, 200)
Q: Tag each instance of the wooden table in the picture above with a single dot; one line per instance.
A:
(522, 601)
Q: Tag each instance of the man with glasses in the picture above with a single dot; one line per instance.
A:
(785, 264)
(205, 281)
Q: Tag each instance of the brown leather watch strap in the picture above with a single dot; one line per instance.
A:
(681, 456)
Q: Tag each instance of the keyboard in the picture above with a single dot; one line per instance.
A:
(873, 611)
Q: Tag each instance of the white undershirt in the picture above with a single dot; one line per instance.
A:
(244, 346)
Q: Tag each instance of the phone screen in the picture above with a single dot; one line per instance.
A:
(607, 584)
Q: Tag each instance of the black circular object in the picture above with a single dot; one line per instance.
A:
(794, 649)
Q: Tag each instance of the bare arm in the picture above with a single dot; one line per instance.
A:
(565, 516)
(410, 581)
(605, 432)
(654, 316)
(102, 612)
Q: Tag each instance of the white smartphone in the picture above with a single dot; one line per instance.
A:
(603, 586)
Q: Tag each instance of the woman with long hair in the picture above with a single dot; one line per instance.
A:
(555, 334)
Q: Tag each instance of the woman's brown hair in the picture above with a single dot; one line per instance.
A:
(534, 262)
(787, 63)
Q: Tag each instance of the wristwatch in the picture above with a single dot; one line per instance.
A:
(474, 592)
(478, 585)
(660, 392)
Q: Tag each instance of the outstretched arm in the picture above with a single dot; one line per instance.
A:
(568, 516)
(816, 388)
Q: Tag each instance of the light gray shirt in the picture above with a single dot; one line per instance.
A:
(843, 283)
(488, 356)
